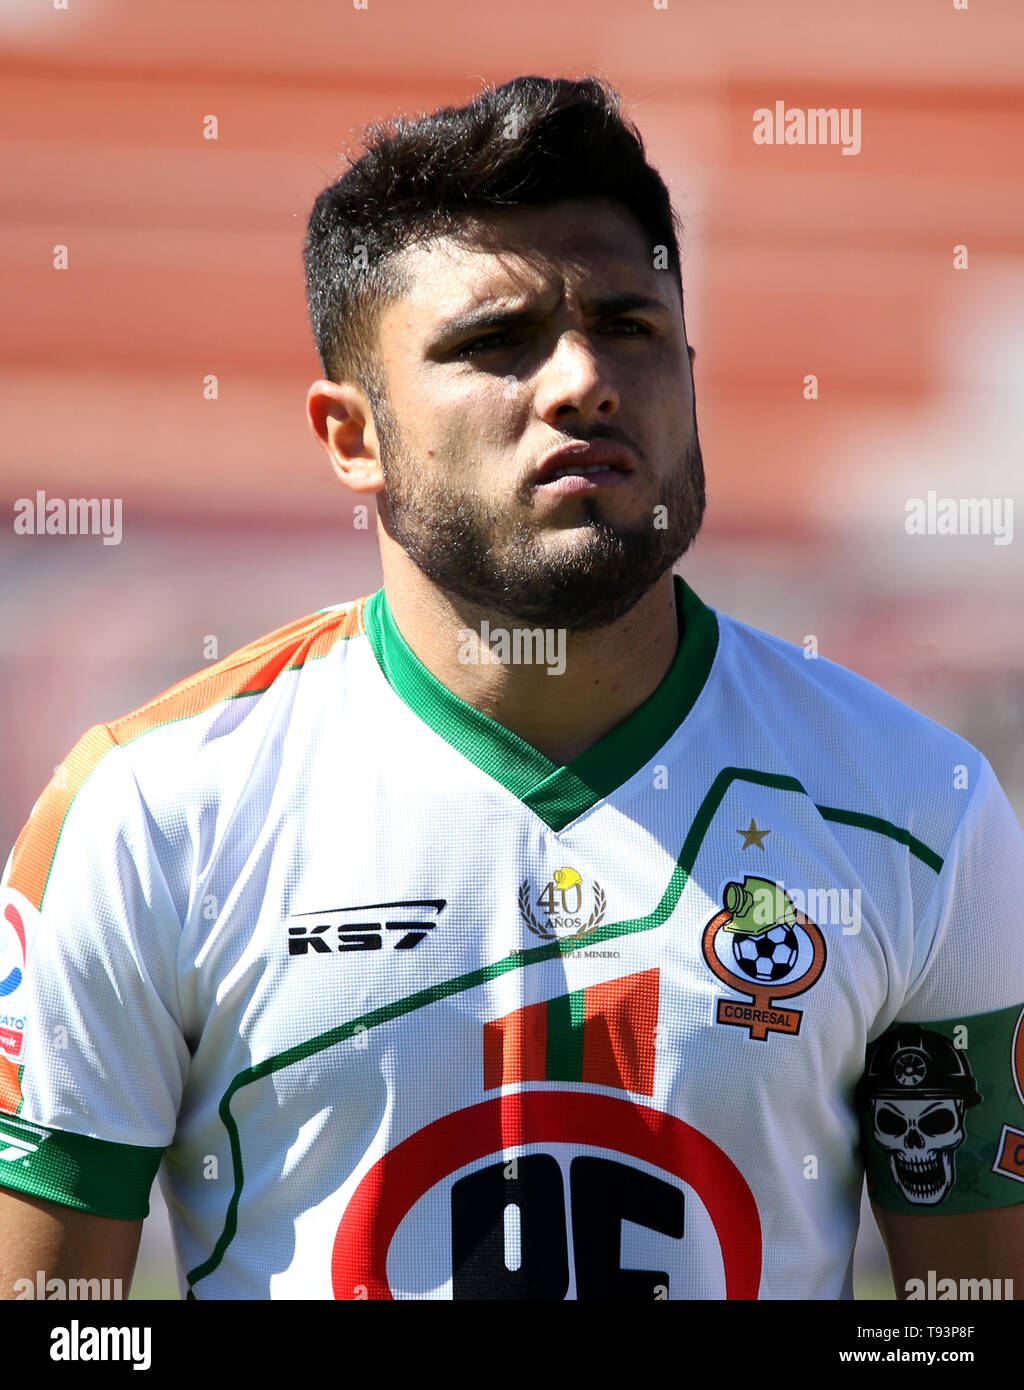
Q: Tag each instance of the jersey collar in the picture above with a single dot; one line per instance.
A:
(557, 794)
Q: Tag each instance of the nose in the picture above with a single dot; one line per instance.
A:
(915, 1139)
(575, 380)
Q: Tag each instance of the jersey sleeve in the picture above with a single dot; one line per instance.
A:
(92, 1053)
(941, 1100)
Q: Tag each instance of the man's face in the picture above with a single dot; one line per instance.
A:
(471, 411)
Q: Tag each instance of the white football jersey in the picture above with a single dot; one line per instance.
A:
(398, 1008)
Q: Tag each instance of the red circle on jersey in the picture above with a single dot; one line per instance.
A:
(401, 1177)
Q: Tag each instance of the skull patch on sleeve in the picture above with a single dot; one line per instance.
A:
(914, 1095)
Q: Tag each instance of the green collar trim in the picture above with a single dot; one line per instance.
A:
(557, 794)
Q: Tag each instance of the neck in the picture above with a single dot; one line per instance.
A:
(560, 692)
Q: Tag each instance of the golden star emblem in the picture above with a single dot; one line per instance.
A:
(753, 836)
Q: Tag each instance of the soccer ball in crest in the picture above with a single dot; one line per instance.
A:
(769, 955)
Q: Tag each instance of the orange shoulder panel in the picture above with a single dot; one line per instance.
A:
(246, 672)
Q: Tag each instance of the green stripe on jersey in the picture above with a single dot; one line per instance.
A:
(91, 1175)
(565, 1037)
(559, 795)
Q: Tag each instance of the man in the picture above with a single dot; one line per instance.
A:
(526, 929)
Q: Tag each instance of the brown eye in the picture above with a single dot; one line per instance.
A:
(476, 345)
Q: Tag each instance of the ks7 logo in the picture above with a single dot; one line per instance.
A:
(367, 934)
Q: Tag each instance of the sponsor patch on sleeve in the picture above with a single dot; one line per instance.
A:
(17, 920)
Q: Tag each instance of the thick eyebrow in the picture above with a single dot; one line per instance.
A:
(475, 321)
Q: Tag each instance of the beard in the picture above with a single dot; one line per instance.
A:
(494, 559)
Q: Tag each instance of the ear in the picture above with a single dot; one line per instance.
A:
(340, 417)
(693, 353)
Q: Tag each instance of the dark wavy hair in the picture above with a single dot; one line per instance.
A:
(532, 142)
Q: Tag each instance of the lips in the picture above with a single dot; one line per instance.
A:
(582, 456)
